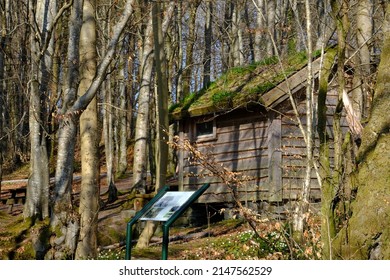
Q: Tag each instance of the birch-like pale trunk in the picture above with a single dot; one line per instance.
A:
(180, 50)
(142, 121)
(259, 34)
(65, 220)
(271, 16)
(237, 52)
(189, 49)
(362, 93)
(159, 30)
(108, 123)
(90, 169)
(207, 50)
(122, 115)
(37, 198)
(303, 200)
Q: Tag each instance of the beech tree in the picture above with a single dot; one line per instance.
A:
(142, 121)
(303, 203)
(367, 229)
(162, 123)
(64, 220)
(42, 18)
(90, 163)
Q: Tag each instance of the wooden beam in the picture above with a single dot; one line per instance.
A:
(297, 81)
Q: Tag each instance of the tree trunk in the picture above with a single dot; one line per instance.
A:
(64, 219)
(189, 51)
(271, 17)
(142, 122)
(122, 115)
(303, 203)
(108, 119)
(299, 29)
(236, 33)
(37, 197)
(207, 50)
(364, 24)
(336, 191)
(328, 228)
(159, 30)
(180, 53)
(108, 131)
(325, 24)
(367, 233)
(90, 191)
(3, 38)
(260, 30)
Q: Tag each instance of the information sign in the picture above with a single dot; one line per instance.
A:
(166, 206)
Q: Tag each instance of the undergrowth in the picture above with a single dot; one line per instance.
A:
(272, 241)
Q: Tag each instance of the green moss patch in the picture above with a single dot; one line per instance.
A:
(21, 239)
(239, 86)
(369, 227)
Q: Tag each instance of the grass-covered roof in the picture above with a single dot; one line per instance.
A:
(239, 86)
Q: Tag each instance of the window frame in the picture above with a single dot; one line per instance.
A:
(205, 137)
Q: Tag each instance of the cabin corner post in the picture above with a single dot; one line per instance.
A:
(274, 157)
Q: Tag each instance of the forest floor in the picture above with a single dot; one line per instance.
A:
(185, 242)
(228, 239)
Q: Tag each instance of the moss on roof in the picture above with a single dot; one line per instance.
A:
(239, 86)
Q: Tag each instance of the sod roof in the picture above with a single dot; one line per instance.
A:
(266, 82)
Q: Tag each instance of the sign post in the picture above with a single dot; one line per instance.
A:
(166, 207)
(137, 216)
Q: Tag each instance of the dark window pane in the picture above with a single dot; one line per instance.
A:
(205, 128)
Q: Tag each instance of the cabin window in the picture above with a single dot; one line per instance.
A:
(205, 130)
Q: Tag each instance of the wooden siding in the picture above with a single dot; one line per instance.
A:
(294, 149)
(241, 145)
(265, 147)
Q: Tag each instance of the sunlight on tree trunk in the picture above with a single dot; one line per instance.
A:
(37, 198)
(303, 201)
(142, 122)
(328, 228)
(159, 30)
(65, 219)
(90, 191)
(367, 231)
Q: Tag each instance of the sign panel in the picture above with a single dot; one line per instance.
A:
(166, 206)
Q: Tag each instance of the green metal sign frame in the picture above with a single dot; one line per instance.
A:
(166, 224)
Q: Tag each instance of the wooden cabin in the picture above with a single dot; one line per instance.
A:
(245, 122)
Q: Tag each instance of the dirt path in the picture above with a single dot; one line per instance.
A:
(15, 207)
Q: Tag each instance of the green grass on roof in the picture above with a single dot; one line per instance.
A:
(240, 85)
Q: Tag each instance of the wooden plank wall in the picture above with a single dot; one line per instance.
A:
(294, 149)
(241, 146)
(265, 147)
